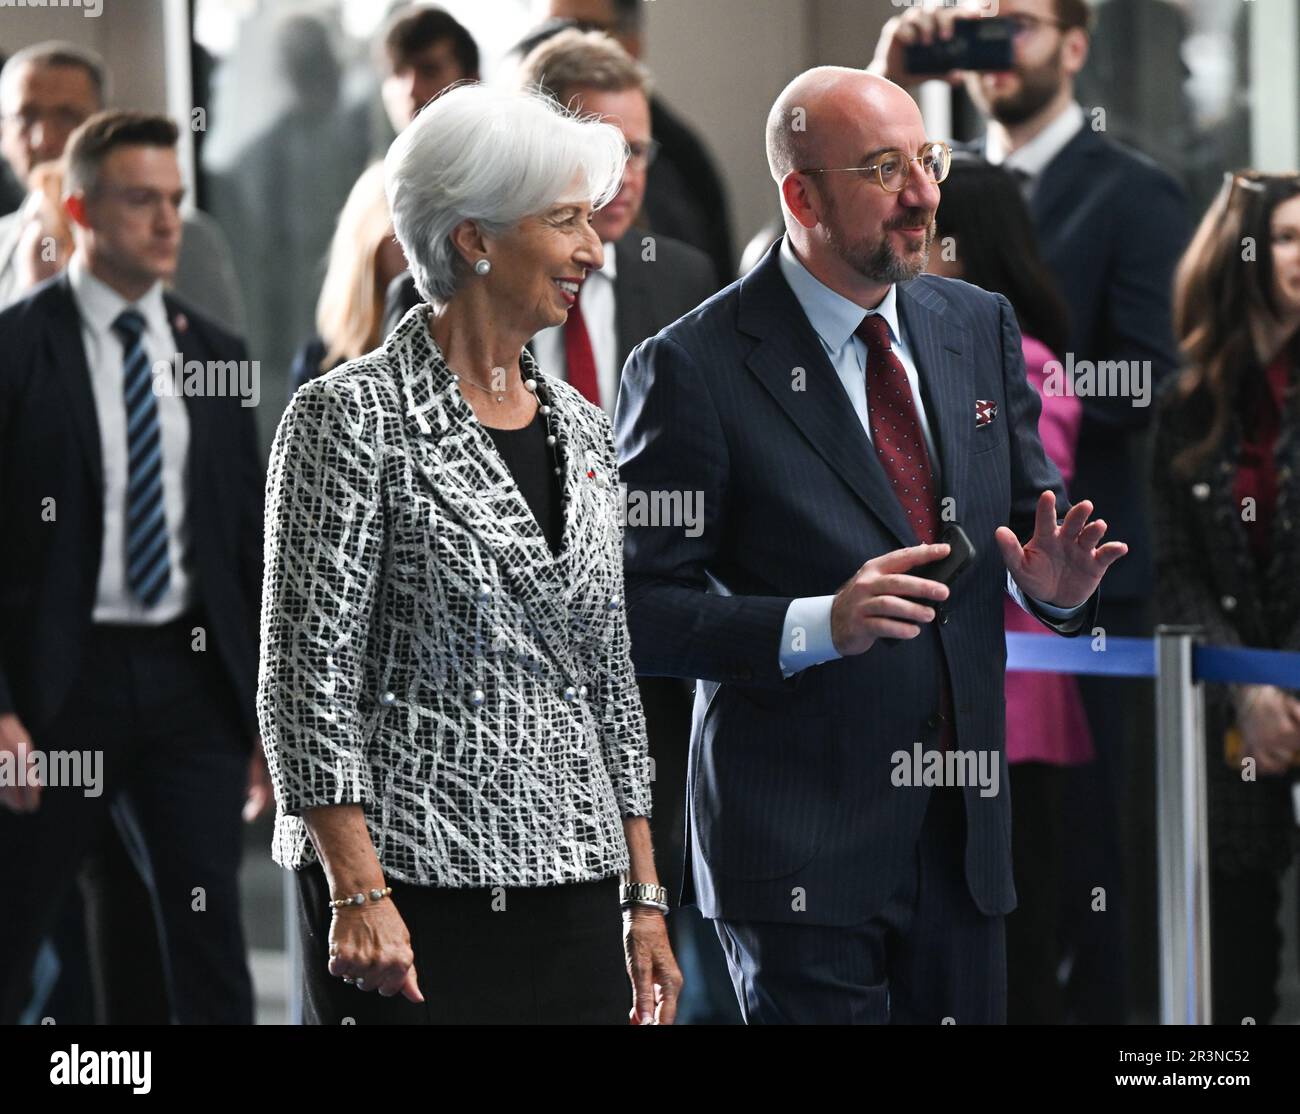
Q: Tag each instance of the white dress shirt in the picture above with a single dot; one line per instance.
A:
(1033, 157)
(835, 319)
(99, 306)
(597, 301)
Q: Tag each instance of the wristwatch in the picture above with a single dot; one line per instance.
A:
(642, 893)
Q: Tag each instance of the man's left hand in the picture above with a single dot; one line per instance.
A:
(1061, 565)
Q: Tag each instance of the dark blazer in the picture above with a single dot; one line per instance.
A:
(648, 293)
(1111, 226)
(789, 788)
(1207, 576)
(50, 450)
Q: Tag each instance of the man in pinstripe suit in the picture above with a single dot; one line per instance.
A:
(837, 408)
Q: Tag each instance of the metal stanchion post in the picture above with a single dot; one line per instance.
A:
(1181, 831)
(292, 953)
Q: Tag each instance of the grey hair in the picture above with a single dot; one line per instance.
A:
(57, 53)
(491, 156)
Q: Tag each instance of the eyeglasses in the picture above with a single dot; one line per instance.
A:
(1022, 23)
(643, 154)
(894, 168)
(62, 119)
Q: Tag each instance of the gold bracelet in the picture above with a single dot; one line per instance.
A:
(360, 898)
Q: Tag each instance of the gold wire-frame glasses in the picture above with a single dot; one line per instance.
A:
(894, 168)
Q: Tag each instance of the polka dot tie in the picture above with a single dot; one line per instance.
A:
(896, 430)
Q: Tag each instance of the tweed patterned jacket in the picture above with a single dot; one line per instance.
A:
(424, 655)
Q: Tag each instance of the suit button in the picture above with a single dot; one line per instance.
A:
(478, 697)
(484, 593)
(582, 691)
(614, 604)
(1228, 603)
(387, 699)
(1201, 491)
(570, 694)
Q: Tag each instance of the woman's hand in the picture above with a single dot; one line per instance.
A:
(369, 945)
(656, 980)
(1270, 727)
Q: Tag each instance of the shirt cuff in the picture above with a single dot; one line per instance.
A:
(806, 637)
(1048, 609)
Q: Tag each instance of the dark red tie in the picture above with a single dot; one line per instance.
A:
(578, 357)
(900, 445)
(896, 430)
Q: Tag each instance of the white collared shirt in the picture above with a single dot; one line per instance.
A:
(99, 306)
(1034, 156)
(597, 300)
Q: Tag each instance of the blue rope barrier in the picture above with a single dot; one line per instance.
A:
(1049, 653)
(1136, 657)
(1253, 667)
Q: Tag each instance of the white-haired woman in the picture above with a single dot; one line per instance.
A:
(364, 258)
(446, 697)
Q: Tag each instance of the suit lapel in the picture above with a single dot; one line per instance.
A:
(822, 411)
(474, 486)
(632, 292)
(198, 414)
(943, 365)
(68, 361)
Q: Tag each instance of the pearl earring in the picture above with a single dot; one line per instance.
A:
(483, 266)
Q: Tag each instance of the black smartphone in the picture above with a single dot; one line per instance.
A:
(976, 44)
(960, 554)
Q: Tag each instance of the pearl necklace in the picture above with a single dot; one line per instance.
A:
(530, 385)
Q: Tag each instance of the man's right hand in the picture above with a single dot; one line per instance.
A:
(871, 603)
(15, 740)
(915, 26)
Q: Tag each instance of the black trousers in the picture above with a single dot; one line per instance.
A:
(547, 955)
(929, 954)
(1245, 945)
(160, 716)
(1033, 948)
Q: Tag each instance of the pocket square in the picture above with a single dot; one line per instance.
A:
(985, 411)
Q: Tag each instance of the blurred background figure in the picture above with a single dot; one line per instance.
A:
(986, 237)
(1227, 487)
(421, 52)
(156, 556)
(1111, 224)
(46, 90)
(364, 260)
(685, 196)
(646, 283)
(281, 196)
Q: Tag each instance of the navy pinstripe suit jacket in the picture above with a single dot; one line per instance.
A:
(792, 814)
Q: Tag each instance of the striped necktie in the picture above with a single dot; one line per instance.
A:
(148, 567)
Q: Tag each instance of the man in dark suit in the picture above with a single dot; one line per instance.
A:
(1111, 226)
(849, 832)
(685, 195)
(130, 486)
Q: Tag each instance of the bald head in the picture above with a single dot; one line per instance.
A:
(821, 116)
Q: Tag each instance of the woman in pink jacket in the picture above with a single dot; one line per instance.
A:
(986, 237)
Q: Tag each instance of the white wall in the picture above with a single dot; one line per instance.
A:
(125, 30)
(721, 64)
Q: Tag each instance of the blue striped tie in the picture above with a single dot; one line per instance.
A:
(148, 568)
